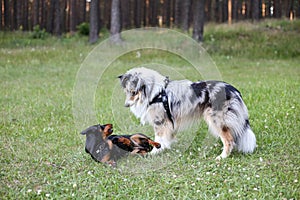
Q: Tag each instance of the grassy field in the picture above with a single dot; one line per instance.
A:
(42, 153)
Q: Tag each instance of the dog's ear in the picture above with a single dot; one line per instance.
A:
(120, 77)
(107, 130)
(143, 89)
(86, 131)
(91, 129)
(83, 132)
(124, 78)
(140, 84)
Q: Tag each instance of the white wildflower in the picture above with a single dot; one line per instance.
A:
(138, 54)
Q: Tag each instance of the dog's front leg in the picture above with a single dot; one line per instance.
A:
(164, 134)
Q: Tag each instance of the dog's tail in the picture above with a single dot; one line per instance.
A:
(246, 143)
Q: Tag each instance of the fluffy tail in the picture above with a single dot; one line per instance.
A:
(246, 143)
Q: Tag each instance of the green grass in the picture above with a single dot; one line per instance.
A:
(42, 153)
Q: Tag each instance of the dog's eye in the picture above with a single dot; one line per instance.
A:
(133, 93)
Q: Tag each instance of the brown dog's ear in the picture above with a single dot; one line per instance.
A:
(108, 130)
(91, 129)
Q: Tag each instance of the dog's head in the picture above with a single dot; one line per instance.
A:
(140, 84)
(97, 144)
(134, 88)
(99, 131)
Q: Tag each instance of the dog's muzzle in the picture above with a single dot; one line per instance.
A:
(127, 105)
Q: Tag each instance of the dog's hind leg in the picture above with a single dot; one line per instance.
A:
(226, 137)
(228, 142)
(217, 128)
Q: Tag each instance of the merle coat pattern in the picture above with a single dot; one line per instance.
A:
(219, 103)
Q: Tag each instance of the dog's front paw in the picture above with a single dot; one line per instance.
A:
(222, 156)
(156, 151)
(219, 158)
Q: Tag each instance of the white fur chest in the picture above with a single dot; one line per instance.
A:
(140, 111)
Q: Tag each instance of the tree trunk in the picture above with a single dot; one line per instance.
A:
(25, 16)
(44, 14)
(255, 10)
(94, 24)
(218, 11)
(6, 14)
(186, 5)
(199, 17)
(81, 9)
(153, 12)
(115, 24)
(208, 13)
(1, 6)
(14, 11)
(57, 19)
(225, 11)
(167, 12)
(36, 8)
(260, 9)
(73, 16)
(248, 9)
(137, 13)
(298, 11)
(230, 11)
(107, 13)
(235, 9)
(19, 15)
(290, 9)
(146, 14)
(50, 17)
(64, 16)
(125, 11)
(267, 8)
(212, 10)
(177, 13)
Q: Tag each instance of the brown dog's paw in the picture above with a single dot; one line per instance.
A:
(111, 163)
(155, 144)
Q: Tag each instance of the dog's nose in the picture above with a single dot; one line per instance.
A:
(126, 104)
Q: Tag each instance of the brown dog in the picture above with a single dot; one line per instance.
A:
(106, 148)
